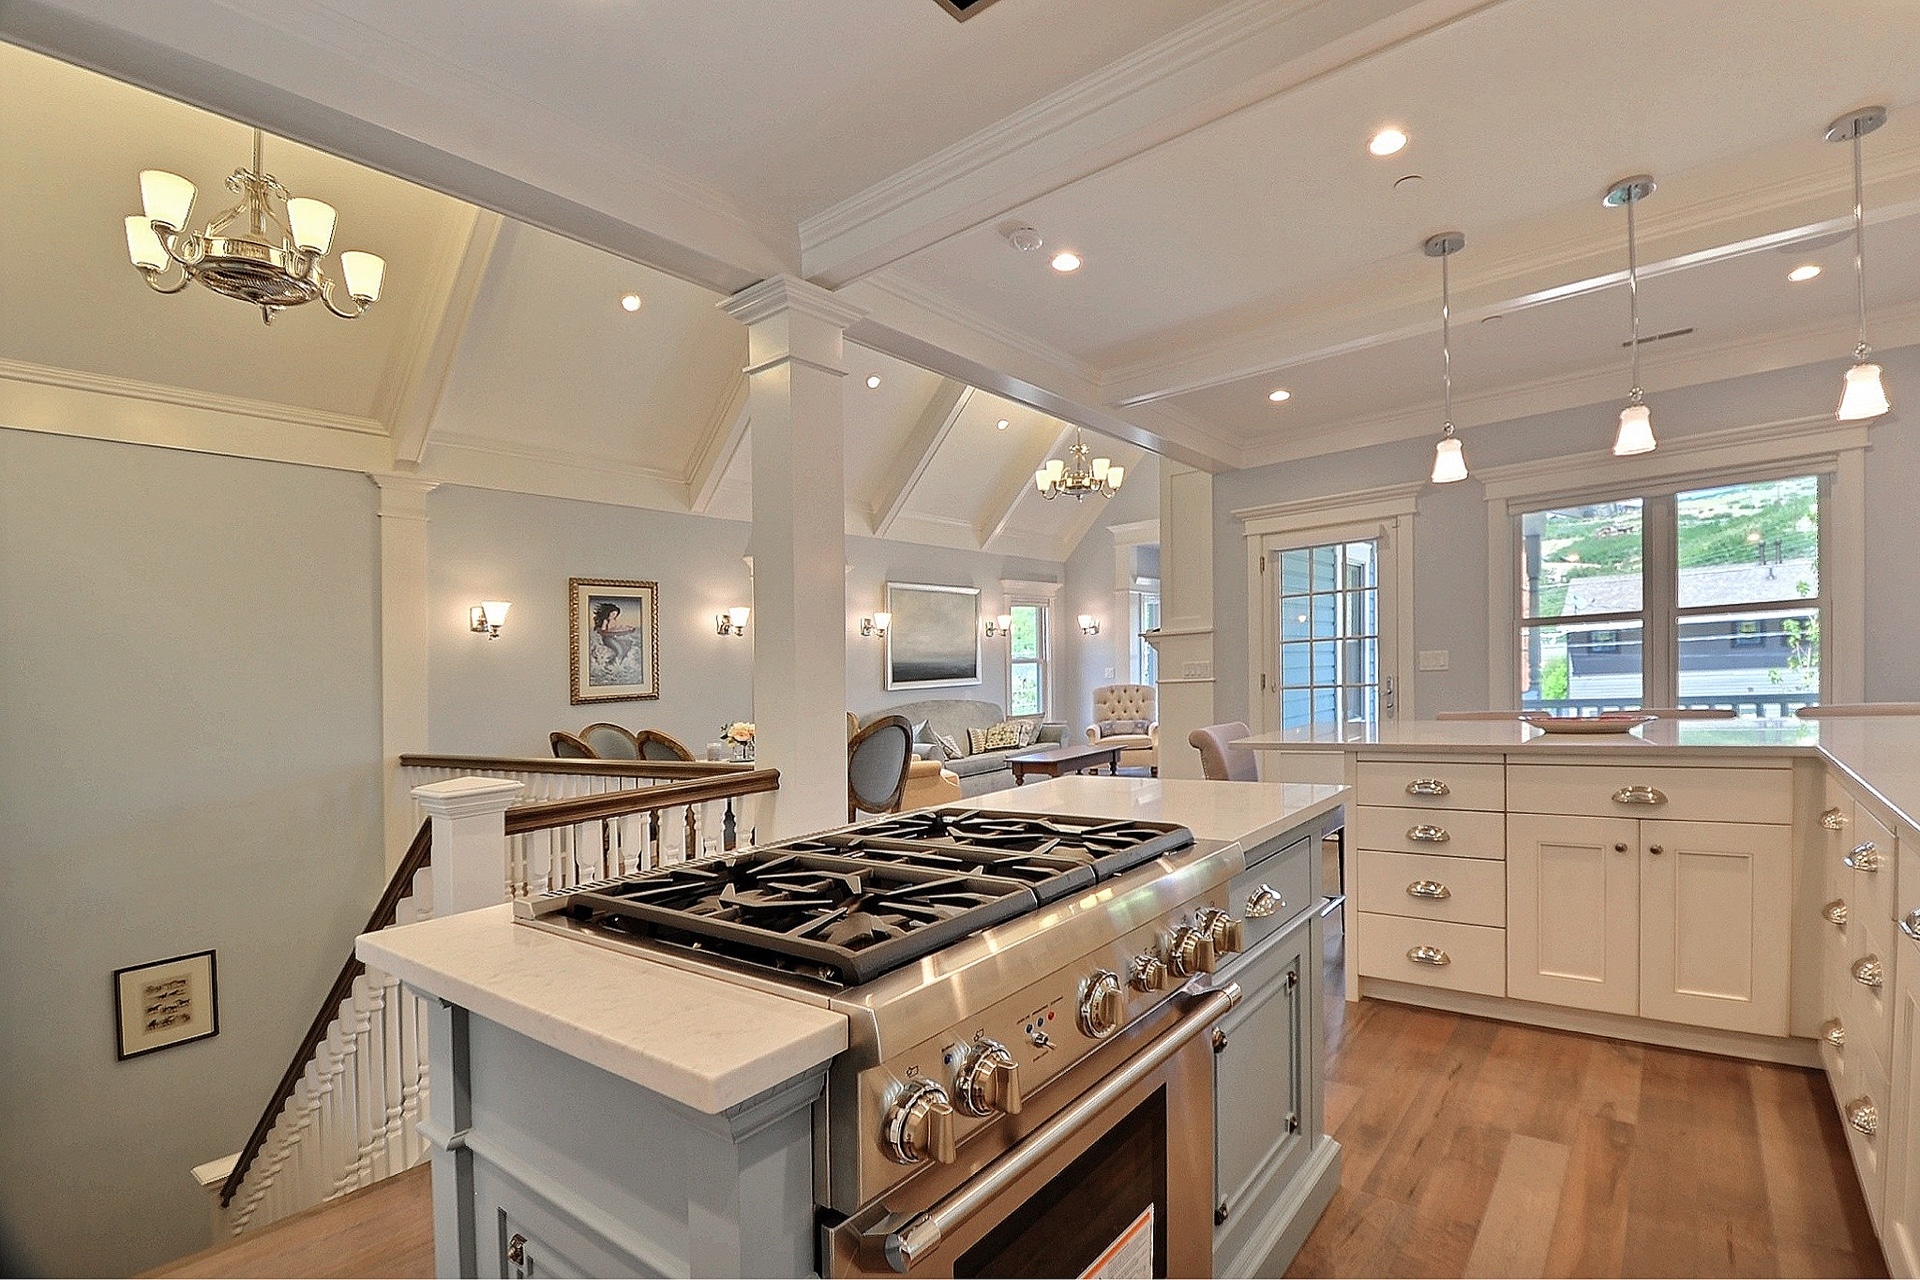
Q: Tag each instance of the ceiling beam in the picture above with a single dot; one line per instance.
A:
(423, 380)
(915, 455)
(726, 429)
(1003, 501)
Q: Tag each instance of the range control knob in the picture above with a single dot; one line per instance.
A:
(1189, 951)
(1221, 929)
(1147, 973)
(1103, 1004)
(919, 1125)
(987, 1081)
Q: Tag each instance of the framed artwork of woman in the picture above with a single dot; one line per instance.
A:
(615, 629)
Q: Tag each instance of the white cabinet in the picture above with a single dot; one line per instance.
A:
(1573, 911)
(1900, 1217)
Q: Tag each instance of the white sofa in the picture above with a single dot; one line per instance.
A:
(1121, 703)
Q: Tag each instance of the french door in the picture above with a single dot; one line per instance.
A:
(1329, 642)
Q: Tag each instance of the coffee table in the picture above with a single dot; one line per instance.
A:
(1055, 761)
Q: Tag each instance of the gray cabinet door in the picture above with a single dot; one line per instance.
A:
(1261, 1082)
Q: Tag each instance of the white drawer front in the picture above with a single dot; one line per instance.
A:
(1436, 784)
(1868, 1009)
(1863, 1104)
(1460, 957)
(1871, 900)
(1610, 789)
(1425, 887)
(1453, 834)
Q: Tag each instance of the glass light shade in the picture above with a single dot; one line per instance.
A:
(311, 222)
(496, 611)
(1863, 397)
(738, 616)
(1115, 475)
(1004, 622)
(364, 273)
(1087, 624)
(166, 197)
(1041, 479)
(1055, 469)
(881, 621)
(1101, 466)
(1449, 463)
(1636, 432)
(143, 246)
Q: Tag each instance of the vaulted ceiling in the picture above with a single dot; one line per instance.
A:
(1207, 158)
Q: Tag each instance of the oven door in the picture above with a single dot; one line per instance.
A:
(1117, 1183)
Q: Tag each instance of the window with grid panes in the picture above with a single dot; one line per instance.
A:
(1329, 615)
(1027, 659)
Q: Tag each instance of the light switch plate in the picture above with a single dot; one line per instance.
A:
(1433, 659)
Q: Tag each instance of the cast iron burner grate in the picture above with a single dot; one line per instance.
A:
(1108, 846)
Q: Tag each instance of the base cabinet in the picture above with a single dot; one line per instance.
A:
(1900, 1217)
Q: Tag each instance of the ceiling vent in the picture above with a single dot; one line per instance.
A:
(1662, 337)
(963, 9)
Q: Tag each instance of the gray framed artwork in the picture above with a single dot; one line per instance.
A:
(933, 640)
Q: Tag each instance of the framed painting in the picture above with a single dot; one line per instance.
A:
(615, 633)
(933, 641)
(165, 1003)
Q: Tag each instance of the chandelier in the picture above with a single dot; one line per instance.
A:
(1079, 477)
(265, 251)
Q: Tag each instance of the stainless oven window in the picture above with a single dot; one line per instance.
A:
(1063, 1228)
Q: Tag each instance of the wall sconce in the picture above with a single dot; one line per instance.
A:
(733, 622)
(1089, 625)
(1000, 626)
(876, 625)
(487, 616)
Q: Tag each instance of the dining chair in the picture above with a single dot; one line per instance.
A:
(1219, 760)
(1690, 713)
(651, 744)
(1477, 715)
(610, 741)
(1822, 711)
(568, 747)
(878, 757)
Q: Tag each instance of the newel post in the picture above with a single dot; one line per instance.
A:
(469, 840)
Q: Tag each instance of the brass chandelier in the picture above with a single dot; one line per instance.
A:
(265, 251)
(1079, 477)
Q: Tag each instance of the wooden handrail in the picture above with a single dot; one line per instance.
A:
(617, 804)
(591, 768)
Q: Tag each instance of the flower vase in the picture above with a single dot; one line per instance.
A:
(743, 751)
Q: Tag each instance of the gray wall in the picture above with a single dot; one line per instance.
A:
(1450, 532)
(189, 747)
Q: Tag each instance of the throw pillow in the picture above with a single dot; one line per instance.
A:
(976, 741)
(1029, 732)
(1003, 735)
(1114, 728)
(949, 746)
(920, 732)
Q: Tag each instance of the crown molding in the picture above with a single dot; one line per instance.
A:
(187, 398)
(1305, 513)
(553, 473)
(777, 295)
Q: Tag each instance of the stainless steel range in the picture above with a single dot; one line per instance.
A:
(1029, 1085)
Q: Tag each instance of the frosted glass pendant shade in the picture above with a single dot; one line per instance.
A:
(1055, 469)
(143, 246)
(1449, 463)
(364, 273)
(166, 197)
(1041, 479)
(1636, 432)
(1863, 396)
(1101, 466)
(311, 222)
(1115, 475)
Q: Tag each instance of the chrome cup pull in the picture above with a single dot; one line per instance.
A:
(1428, 955)
(1834, 1032)
(1910, 924)
(1429, 889)
(1427, 833)
(1263, 902)
(1832, 819)
(1864, 856)
(1639, 795)
(1864, 1116)
(1835, 911)
(1428, 787)
(1867, 971)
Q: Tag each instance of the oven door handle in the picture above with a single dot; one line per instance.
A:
(921, 1233)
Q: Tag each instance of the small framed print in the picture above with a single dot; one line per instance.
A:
(166, 1003)
(615, 629)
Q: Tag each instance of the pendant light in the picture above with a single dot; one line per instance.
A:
(1862, 395)
(1449, 463)
(1636, 422)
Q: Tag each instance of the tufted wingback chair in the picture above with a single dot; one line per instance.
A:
(1122, 702)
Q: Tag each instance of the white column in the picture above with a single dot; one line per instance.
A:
(403, 644)
(1185, 642)
(469, 841)
(795, 367)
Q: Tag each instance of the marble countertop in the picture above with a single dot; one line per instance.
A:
(699, 1040)
(1251, 812)
(1879, 754)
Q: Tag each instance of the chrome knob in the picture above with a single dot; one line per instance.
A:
(1222, 930)
(1865, 857)
(1834, 1032)
(1103, 1004)
(1868, 972)
(919, 1126)
(1864, 1116)
(1835, 911)
(987, 1081)
(1190, 951)
(1148, 973)
(1263, 902)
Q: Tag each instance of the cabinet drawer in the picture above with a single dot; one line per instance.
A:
(1464, 890)
(1697, 795)
(1871, 899)
(1864, 1102)
(1274, 888)
(1470, 957)
(1459, 833)
(1868, 1010)
(1433, 784)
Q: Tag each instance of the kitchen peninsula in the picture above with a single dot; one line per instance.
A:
(595, 1110)
(1741, 887)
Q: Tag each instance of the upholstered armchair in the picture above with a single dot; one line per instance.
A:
(1127, 716)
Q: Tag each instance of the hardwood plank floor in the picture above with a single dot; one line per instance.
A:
(382, 1230)
(1481, 1148)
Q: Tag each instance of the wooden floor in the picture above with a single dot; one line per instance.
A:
(1480, 1148)
(382, 1230)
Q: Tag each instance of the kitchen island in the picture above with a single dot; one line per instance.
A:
(599, 1112)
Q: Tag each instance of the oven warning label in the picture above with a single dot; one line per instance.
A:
(1128, 1258)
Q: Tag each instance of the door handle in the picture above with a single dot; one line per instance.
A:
(1639, 795)
(1427, 833)
(1910, 924)
(1429, 889)
(1833, 819)
(1865, 856)
(1429, 955)
(1836, 912)
(1428, 787)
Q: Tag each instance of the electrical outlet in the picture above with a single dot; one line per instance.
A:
(1433, 659)
(1109, 674)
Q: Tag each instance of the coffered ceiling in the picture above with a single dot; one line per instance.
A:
(1207, 158)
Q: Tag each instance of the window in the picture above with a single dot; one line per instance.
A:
(1143, 609)
(1329, 613)
(1695, 597)
(1027, 675)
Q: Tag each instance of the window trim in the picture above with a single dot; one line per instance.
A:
(1836, 452)
(1038, 595)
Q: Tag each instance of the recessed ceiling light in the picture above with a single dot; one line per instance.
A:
(1279, 395)
(1066, 260)
(1001, 425)
(1806, 271)
(1387, 141)
(873, 380)
(630, 301)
